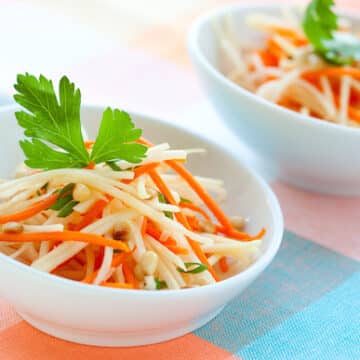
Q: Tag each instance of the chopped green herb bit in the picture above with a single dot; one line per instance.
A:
(67, 209)
(163, 200)
(113, 165)
(193, 268)
(65, 201)
(160, 284)
(184, 200)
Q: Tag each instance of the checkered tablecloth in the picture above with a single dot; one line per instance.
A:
(132, 54)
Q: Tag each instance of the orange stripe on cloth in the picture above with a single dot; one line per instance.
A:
(24, 342)
(8, 316)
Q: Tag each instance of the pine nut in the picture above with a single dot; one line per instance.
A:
(149, 262)
(238, 222)
(81, 193)
(139, 272)
(13, 228)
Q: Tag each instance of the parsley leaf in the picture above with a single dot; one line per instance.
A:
(195, 268)
(320, 25)
(53, 127)
(53, 120)
(115, 140)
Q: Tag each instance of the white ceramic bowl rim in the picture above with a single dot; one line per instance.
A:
(194, 48)
(256, 267)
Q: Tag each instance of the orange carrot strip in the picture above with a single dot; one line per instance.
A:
(169, 242)
(64, 236)
(196, 208)
(141, 170)
(353, 113)
(193, 222)
(144, 226)
(223, 264)
(332, 72)
(90, 166)
(89, 144)
(268, 58)
(178, 250)
(202, 193)
(168, 195)
(202, 257)
(117, 285)
(129, 275)
(30, 211)
(274, 49)
(118, 259)
(90, 216)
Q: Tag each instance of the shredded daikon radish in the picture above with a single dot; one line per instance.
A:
(105, 268)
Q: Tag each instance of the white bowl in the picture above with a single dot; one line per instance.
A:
(112, 317)
(301, 150)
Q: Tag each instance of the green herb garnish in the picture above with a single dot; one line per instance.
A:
(65, 201)
(113, 165)
(193, 268)
(67, 209)
(320, 25)
(184, 200)
(53, 127)
(163, 200)
(160, 284)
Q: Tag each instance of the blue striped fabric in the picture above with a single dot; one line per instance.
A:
(326, 329)
(301, 274)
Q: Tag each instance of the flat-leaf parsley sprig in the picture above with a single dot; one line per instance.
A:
(53, 127)
(320, 26)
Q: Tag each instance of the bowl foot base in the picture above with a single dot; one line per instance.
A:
(118, 339)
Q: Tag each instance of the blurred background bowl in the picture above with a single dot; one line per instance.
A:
(303, 151)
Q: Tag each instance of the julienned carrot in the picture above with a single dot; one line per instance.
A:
(129, 276)
(90, 216)
(238, 235)
(117, 285)
(202, 193)
(118, 259)
(274, 49)
(168, 195)
(64, 236)
(170, 243)
(89, 144)
(30, 211)
(195, 208)
(144, 226)
(193, 222)
(141, 170)
(333, 72)
(202, 257)
(353, 113)
(267, 58)
(223, 264)
(178, 250)
(90, 166)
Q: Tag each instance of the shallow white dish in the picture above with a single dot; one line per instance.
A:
(301, 150)
(112, 317)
